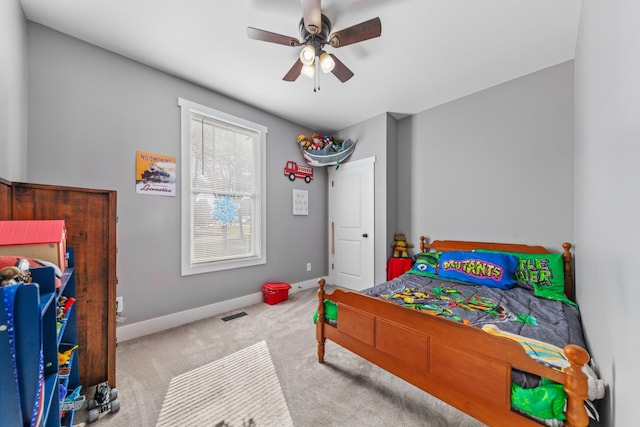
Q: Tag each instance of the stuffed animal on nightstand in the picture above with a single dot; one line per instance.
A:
(400, 246)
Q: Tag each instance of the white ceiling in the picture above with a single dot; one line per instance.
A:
(430, 51)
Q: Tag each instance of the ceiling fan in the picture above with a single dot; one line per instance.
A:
(315, 30)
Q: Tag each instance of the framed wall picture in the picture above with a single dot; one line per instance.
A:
(300, 202)
(155, 174)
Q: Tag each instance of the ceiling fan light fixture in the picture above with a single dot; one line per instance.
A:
(307, 54)
(326, 62)
(307, 71)
(316, 31)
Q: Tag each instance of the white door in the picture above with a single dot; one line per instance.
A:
(351, 221)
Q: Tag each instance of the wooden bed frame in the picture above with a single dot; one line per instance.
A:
(459, 364)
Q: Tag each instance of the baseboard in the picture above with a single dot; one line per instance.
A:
(162, 323)
(307, 284)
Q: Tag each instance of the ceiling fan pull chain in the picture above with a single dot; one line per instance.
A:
(316, 73)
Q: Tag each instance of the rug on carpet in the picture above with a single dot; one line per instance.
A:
(239, 390)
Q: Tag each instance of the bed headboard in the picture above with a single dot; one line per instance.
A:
(462, 245)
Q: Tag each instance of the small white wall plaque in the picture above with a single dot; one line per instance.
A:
(300, 202)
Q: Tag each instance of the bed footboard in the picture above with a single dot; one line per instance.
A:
(461, 365)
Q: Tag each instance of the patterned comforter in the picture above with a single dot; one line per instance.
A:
(516, 311)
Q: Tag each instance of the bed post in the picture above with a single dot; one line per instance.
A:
(576, 386)
(423, 242)
(568, 269)
(320, 321)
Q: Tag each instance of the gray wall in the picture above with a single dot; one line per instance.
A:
(607, 196)
(393, 185)
(13, 91)
(90, 110)
(376, 137)
(493, 166)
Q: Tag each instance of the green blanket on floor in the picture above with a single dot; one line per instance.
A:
(330, 312)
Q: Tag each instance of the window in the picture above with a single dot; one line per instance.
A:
(223, 188)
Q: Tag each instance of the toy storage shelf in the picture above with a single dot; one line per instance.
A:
(35, 325)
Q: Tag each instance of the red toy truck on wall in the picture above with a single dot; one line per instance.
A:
(293, 171)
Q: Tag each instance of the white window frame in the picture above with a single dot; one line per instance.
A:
(260, 241)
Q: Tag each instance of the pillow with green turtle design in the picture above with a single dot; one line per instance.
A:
(543, 272)
(425, 264)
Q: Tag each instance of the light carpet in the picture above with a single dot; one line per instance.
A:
(240, 390)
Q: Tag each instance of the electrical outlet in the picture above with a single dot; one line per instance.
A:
(308, 266)
(119, 305)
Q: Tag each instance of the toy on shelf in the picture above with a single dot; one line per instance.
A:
(400, 246)
(9, 275)
(64, 305)
(64, 357)
(72, 402)
(14, 270)
(325, 150)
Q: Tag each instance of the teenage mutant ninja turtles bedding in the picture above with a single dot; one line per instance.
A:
(517, 310)
(511, 311)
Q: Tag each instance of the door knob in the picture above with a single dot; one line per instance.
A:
(365, 235)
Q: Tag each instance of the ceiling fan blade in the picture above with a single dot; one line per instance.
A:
(363, 31)
(268, 36)
(294, 72)
(341, 71)
(312, 15)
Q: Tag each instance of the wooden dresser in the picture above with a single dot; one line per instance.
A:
(90, 217)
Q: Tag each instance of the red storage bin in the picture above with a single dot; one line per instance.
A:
(274, 293)
(398, 266)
